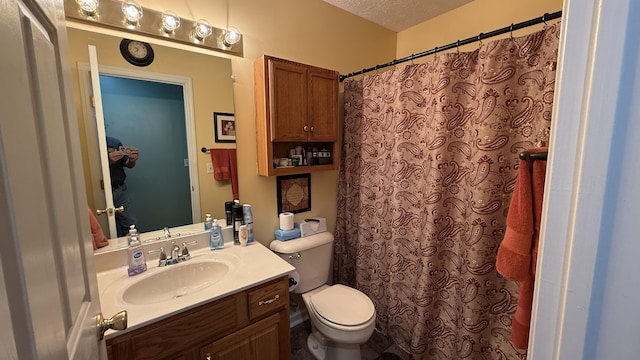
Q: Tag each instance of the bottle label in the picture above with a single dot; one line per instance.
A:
(137, 258)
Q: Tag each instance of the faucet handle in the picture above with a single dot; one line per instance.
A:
(185, 251)
(162, 259)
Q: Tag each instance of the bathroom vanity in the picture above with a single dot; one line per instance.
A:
(179, 312)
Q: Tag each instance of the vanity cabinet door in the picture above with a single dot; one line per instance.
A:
(258, 341)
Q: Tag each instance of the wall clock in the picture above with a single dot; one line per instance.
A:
(137, 53)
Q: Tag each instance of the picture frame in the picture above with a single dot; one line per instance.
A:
(224, 127)
(294, 193)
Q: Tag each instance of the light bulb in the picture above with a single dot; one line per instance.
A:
(202, 29)
(132, 11)
(88, 7)
(170, 21)
(231, 36)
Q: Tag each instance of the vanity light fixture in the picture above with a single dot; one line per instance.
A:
(88, 7)
(231, 36)
(132, 12)
(170, 21)
(165, 25)
(202, 29)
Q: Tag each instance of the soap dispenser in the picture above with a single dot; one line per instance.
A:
(135, 254)
(216, 241)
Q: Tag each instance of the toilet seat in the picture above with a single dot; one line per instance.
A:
(342, 305)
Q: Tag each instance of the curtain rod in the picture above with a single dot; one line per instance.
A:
(480, 37)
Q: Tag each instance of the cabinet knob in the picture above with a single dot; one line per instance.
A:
(312, 129)
(208, 356)
(305, 128)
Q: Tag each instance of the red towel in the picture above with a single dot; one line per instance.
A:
(233, 170)
(220, 161)
(99, 240)
(518, 252)
(225, 167)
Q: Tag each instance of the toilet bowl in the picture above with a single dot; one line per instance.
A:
(342, 318)
(341, 314)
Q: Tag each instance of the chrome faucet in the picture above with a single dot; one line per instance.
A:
(167, 233)
(177, 255)
(175, 251)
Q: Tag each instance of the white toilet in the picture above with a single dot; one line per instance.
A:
(342, 318)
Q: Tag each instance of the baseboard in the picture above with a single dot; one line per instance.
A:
(297, 316)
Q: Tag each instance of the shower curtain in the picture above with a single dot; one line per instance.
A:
(430, 159)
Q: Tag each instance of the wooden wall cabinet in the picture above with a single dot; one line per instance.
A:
(296, 105)
(250, 325)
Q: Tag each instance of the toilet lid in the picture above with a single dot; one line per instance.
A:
(343, 305)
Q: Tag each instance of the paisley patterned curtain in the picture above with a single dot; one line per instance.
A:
(430, 159)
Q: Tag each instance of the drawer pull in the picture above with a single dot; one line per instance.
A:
(267, 302)
(208, 356)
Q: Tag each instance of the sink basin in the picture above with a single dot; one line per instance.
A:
(175, 281)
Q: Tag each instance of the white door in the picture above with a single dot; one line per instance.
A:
(49, 300)
(102, 139)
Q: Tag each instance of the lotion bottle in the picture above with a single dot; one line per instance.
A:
(137, 262)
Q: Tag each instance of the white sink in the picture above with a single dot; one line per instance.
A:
(178, 280)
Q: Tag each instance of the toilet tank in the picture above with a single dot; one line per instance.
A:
(311, 256)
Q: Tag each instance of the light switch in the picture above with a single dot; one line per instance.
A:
(209, 168)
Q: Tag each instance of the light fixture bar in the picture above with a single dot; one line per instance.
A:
(109, 15)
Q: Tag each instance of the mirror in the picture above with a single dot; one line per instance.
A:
(209, 84)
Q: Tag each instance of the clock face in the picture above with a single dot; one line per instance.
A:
(137, 53)
(137, 49)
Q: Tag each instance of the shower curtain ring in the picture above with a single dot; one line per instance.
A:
(412, 57)
(480, 40)
(511, 31)
(435, 53)
(544, 20)
(457, 46)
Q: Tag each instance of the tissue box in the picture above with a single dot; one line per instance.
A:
(312, 226)
(284, 235)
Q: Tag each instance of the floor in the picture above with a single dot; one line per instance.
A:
(377, 348)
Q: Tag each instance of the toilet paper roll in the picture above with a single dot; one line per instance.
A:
(294, 280)
(286, 221)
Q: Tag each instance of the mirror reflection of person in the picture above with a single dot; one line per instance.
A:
(119, 158)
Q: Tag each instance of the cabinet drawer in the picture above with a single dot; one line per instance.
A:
(268, 298)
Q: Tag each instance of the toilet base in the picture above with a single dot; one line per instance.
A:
(323, 350)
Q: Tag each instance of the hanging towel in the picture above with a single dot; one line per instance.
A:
(220, 161)
(99, 240)
(225, 167)
(518, 251)
(233, 170)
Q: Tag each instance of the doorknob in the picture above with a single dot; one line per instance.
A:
(110, 211)
(117, 322)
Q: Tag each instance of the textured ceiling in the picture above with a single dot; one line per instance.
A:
(397, 15)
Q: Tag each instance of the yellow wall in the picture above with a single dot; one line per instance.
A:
(307, 31)
(316, 33)
(212, 92)
(470, 20)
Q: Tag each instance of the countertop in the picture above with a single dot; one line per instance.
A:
(256, 264)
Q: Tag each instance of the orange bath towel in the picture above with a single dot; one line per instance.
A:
(99, 240)
(518, 252)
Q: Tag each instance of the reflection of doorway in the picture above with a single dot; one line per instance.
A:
(150, 116)
(93, 174)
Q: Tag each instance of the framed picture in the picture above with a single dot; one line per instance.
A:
(224, 125)
(294, 193)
